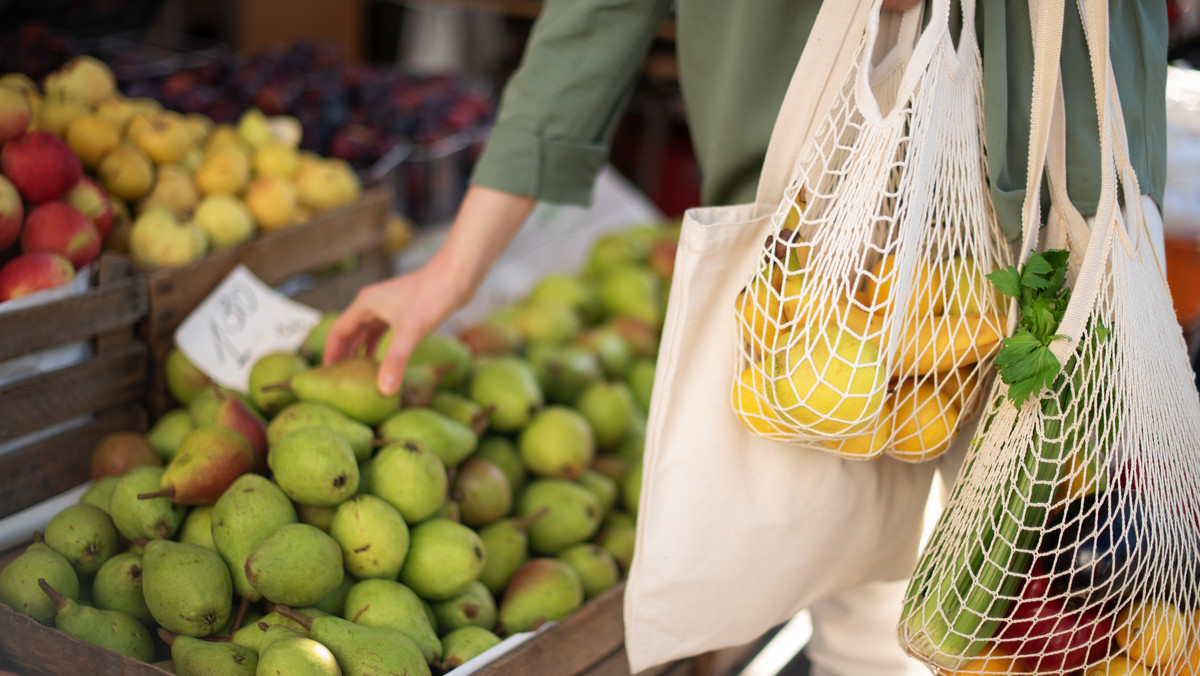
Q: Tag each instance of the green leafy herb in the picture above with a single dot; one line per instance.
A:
(1025, 362)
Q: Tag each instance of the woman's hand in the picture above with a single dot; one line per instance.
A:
(414, 304)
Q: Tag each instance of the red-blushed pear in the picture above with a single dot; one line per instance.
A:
(640, 335)
(41, 165)
(662, 258)
(60, 228)
(92, 200)
(233, 413)
(15, 113)
(32, 272)
(12, 214)
(490, 339)
(208, 460)
(120, 452)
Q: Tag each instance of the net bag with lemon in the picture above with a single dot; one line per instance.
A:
(1071, 540)
(868, 325)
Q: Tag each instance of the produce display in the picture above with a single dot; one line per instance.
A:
(313, 523)
(86, 168)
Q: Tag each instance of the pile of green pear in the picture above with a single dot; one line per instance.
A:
(312, 525)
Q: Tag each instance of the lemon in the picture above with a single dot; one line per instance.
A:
(830, 381)
(759, 307)
(1119, 666)
(750, 404)
(866, 445)
(1153, 632)
(927, 294)
(925, 422)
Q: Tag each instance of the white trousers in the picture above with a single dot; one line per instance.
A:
(854, 631)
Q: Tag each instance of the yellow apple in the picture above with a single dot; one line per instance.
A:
(91, 137)
(226, 219)
(126, 172)
(272, 200)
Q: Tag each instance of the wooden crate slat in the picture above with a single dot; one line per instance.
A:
(102, 382)
(578, 641)
(59, 463)
(323, 241)
(38, 650)
(336, 292)
(70, 319)
(616, 664)
(174, 293)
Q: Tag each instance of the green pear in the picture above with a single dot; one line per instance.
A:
(99, 494)
(361, 650)
(235, 414)
(410, 478)
(502, 452)
(187, 587)
(640, 379)
(184, 380)
(509, 386)
(573, 514)
(616, 249)
(633, 291)
(444, 557)
(461, 408)
(109, 629)
(297, 565)
(348, 386)
(490, 339)
(610, 410)
(606, 490)
(570, 290)
(597, 568)
(170, 429)
(201, 657)
(287, 651)
(321, 517)
(421, 384)
(448, 439)
(203, 406)
(542, 590)
(373, 536)
(633, 446)
(482, 492)
(311, 414)
(618, 537)
(613, 468)
(475, 606)
(334, 603)
(387, 603)
(118, 586)
(314, 467)
(197, 527)
(313, 347)
(19, 587)
(269, 369)
(641, 336)
(507, 544)
(464, 644)
(563, 371)
(153, 518)
(209, 458)
(441, 350)
(614, 352)
(631, 488)
(251, 509)
(557, 443)
(546, 322)
(84, 535)
(251, 634)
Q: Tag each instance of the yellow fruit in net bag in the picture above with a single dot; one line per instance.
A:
(927, 294)
(1153, 632)
(925, 422)
(759, 309)
(966, 290)
(1123, 666)
(750, 403)
(830, 381)
(870, 444)
(939, 344)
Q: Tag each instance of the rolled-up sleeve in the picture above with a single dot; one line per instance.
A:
(560, 109)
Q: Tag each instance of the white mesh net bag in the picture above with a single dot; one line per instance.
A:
(868, 325)
(1071, 541)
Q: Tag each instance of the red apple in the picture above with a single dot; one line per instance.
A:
(60, 228)
(12, 214)
(92, 200)
(15, 113)
(33, 272)
(41, 165)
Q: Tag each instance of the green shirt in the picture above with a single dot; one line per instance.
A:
(559, 111)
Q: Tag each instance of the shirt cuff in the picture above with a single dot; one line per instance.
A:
(525, 163)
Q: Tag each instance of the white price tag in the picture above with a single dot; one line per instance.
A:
(241, 320)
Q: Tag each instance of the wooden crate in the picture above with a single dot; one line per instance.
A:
(588, 642)
(319, 247)
(108, 385)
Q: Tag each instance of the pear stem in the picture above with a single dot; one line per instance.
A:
(277, 386)
(243, 607)
(168, 492)
(166, 636)
(304, 620)
(481, 420)
(57, 599)
(38, 538)
(528, 521)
